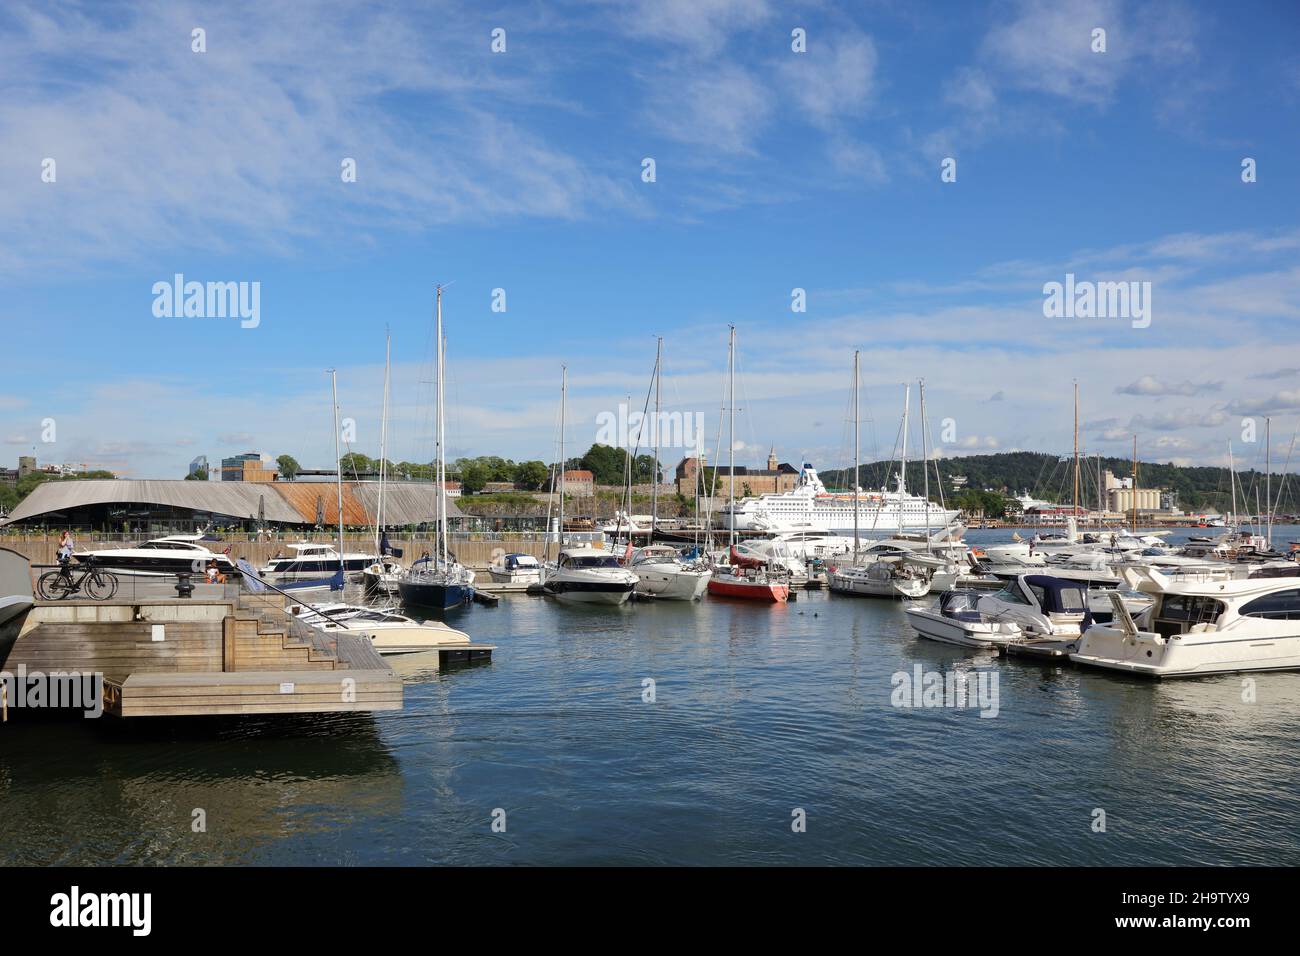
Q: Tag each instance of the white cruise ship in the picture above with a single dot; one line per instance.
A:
(810, 507)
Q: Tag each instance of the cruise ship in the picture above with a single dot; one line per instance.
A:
(810, 507)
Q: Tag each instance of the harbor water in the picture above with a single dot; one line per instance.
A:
(664, 733)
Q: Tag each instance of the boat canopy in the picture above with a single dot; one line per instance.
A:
(960, 605)
(1059, 595)
(513, 562)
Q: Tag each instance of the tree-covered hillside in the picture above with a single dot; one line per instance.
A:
(1051, 478)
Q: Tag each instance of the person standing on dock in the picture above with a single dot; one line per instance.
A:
(66, 547)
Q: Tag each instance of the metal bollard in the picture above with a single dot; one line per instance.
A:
(184, 587)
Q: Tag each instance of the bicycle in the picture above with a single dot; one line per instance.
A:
(99, 585)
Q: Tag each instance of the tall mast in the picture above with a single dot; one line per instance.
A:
(857, 456)
(1076, 450)
(925, 464)
(731, 439)
(1232, 483)
(654, 476)
(902, 476)
(338, 461)
(1135, 483)
(1101, 509)
(442, 461)
(1268, 480)
(383, 444)
(564, 387)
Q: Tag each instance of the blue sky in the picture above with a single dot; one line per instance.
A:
(522, 171)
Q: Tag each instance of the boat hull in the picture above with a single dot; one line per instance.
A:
(929, 623)
(860, 586)
(679, 585)
(587, 592)
(436, 595)
(749, 590)
(1150, 655)
(521, 578)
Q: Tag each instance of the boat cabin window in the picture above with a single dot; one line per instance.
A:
(1279, 606)
(1011, 594)
(1179, 612)
(1073, 599)
(604, 561)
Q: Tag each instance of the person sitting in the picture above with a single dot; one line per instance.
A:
(214, 573)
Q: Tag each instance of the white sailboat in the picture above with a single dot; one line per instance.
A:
(889, 575)
(385, 574)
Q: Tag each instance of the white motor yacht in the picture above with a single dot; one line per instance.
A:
(310, 560)
(167, 555)
(1041, 605)
(1197, 627)
(956, 619)
(661, 573)
(589, 576)
(390, 632)
(520, 569)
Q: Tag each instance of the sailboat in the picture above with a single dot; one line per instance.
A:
(892, 575)
(438, 581)
(732, 580)
(660, 569)
(386, 573)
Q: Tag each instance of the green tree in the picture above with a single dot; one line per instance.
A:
(354, 463)
(531, 475)
(474, 475)
(199, 474)
(288, 466)
(606, 463)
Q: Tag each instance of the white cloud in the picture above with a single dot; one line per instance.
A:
(1149, 385)
(835, 78)
(721, 106)
(157, 146)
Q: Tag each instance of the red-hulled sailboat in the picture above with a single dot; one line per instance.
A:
(732, 580)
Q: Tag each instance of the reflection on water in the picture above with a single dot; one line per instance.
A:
(758, 710)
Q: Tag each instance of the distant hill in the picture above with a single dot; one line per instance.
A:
(1051, 478)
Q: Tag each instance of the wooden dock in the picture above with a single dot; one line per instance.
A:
(173, 657)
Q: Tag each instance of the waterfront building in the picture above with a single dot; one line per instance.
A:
(249, 466)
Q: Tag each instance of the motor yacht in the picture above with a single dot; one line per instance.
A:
(1041, 605)
(515, 568)
(662, 573)
(1195, 628)
(589, 576)
(313, 560)
(956, 619)
(167, 555)
(389, 631)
